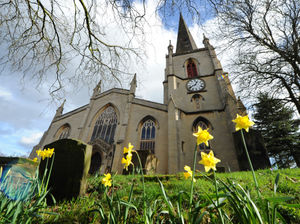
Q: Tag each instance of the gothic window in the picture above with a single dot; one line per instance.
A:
(203, 125)
(191, 69)
(148, 136)
(64, 131)
(105, 125)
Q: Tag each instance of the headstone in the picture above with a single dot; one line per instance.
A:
(71, 164)
(256, 148)
(151, 164)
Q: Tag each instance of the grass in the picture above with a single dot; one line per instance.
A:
(79, 210)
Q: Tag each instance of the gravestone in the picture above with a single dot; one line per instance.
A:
(71, 164)
(256, 148)
(151, 164)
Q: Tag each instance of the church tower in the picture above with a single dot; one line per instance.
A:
(197, 93)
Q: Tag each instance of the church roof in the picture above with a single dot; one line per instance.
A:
(185, 41)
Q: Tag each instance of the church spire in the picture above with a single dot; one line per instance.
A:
(185, 41)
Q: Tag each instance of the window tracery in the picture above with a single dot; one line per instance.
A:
(64, 131)
(148, 136)
(105, 125)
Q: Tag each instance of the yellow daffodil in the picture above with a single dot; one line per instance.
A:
(129, 149)
(203, 136)
(38, 152)
(49, 152)
(106, 180)
(242, 122)
(127, 161)
(189, 173)
(209, 161)
(45, 153)
(35, 159)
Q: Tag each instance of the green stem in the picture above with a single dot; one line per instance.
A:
(50, 170)
(44, 176)
(144, 201)
(250, 163)
(217, 194)
(192, 184)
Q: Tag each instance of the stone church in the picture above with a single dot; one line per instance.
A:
(197, 92)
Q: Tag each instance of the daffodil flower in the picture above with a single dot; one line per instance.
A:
(189, 173)
(49, 152)
(209, 161)
(243, 123)
(129, 149)
(45, 153)
(203, 136)
(38, 152)
(106, 180)
(35, 159)
(127, 161)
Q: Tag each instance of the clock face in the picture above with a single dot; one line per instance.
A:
(195, 85)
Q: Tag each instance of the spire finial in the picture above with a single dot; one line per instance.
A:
(170, 48)
(60, 109)
(97, 89)
(133, 84)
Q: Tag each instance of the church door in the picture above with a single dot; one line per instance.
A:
(95, 163)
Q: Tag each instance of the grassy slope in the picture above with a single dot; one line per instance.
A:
(77, 209)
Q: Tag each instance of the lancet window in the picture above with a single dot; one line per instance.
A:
(191, 69)
(148, 136)
(105, 125)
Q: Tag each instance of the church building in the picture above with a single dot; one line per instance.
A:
(197, 92)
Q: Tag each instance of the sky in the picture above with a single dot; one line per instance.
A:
(26, 110)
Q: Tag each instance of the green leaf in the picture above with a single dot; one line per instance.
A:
(291, 205)
(17, 212)
(199, 219)
(128, 204)
(169, 204)
(279, 199)
(276, 183)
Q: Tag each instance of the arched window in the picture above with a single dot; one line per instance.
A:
(105, 125)
(203, 125)
(64, 131)
(148, 136)
(191, 69)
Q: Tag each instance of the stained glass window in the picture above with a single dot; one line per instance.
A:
(148, 136)
(105, 125)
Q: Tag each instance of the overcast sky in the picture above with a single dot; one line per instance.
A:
(26, 111)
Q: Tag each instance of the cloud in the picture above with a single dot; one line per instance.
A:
(5, 94)
(31, 140)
